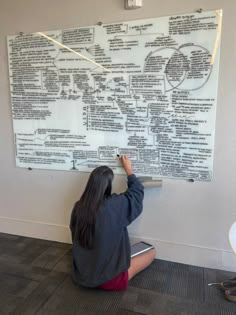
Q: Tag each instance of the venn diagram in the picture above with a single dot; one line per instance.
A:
(185, 68)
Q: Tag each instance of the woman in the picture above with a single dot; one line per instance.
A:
(99, 220)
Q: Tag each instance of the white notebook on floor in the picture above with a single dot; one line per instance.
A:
(139, 248)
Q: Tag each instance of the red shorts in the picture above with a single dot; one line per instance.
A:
(120, 282)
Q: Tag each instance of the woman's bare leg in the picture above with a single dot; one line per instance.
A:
(140, 262)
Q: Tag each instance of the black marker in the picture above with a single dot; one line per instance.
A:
(118, 155)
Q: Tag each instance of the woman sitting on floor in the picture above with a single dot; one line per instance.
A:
(99, 220)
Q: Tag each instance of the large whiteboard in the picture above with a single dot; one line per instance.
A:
(144, 88)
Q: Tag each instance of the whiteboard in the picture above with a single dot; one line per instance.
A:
(144, 88)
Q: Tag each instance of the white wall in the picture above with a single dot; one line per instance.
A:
(189, 222)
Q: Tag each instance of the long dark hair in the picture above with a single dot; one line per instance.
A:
(99, 187)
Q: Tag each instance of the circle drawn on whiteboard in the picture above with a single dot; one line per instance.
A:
(197, 65)
(176, 70)
(170, 62)
(187, 68)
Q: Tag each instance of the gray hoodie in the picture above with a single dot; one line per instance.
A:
(110, 255)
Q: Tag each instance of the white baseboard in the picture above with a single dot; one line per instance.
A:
(190, 254)
(176, 252)
(36, 229)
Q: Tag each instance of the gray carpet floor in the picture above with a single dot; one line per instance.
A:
(35, 279)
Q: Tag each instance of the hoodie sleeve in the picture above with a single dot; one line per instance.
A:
(129, 205)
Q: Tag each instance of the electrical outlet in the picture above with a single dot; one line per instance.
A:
(133, 4)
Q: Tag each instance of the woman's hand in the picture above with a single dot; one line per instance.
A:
(126, 164)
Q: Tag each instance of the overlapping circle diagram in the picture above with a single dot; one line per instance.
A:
(186, 68)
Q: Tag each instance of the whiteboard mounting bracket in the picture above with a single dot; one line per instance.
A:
(200, 10)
